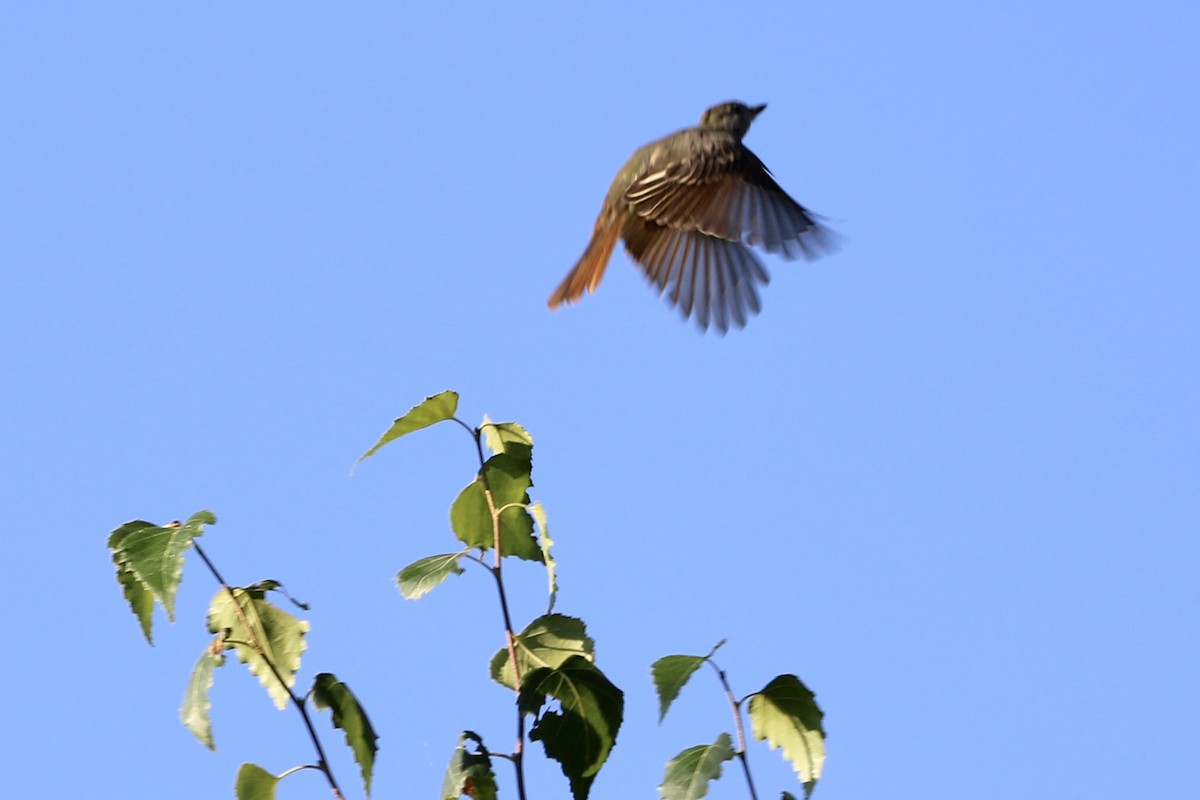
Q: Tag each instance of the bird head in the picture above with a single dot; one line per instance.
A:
(733, 116)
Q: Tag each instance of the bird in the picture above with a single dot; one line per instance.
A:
(689, 207)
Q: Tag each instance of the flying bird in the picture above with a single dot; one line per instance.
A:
(688, 208)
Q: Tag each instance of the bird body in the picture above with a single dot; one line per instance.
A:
(686, 207)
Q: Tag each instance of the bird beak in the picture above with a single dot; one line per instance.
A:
(757, 110)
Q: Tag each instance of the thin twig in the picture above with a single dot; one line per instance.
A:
(736, 707)
(510, 638)
(322, 761)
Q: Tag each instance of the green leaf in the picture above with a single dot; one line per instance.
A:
(548, 641)
(688, 774)
(196, 705)
(348, 714)
(149, 561)
(469, 773)
(272, 634)
(785, 713)
(255, 783)
(471, 518)
(420, 577)
(507, 437)
(787, 796)
(671, 674)
(544, 544)
(430, 411)
(140, 599)
(581, 734)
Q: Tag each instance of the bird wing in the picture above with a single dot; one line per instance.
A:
(715, 280)
(719, 188)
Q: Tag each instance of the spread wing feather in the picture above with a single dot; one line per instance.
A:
(722, 189)
(715, 281)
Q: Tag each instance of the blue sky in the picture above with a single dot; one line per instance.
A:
(947, 477)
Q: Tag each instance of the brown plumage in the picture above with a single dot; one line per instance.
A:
(687, 206)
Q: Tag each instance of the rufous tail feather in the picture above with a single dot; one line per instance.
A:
(586, 274)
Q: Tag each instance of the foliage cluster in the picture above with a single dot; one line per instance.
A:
(563, 699)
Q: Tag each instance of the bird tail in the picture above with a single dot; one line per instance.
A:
(587, 272)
